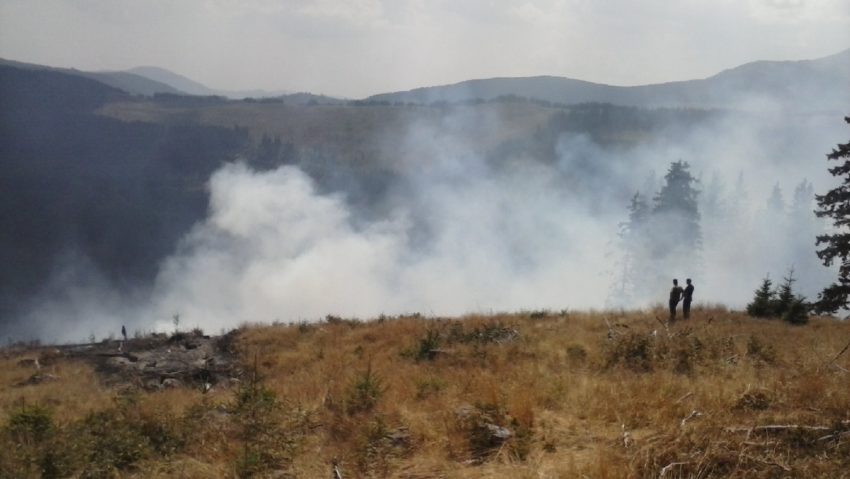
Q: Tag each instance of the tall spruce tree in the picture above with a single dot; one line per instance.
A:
(713, 203)
(804, 192)
(835, 204)
(676, 237)
(776, 204)
(633, 240)
(802, 226)
(739, 203)
(677, 201)
(785, 294)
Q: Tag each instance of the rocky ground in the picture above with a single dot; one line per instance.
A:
(154, 362)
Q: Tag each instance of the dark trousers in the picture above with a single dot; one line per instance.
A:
(673, 310)
(686, 308)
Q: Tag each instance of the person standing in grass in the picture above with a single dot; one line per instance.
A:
(675, 297)
(687, 296)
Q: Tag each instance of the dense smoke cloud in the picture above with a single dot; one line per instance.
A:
(459, 233)
(465, 238)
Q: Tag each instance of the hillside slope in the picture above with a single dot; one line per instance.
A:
(77, 189)
(191, 87)
(809, 85)
(176, 81)
(524, 395)
(124, 81)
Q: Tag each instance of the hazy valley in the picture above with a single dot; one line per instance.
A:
(454, 281)
(118, 201)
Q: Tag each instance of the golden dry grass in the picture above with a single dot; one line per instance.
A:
(585, 395)
(73, 391)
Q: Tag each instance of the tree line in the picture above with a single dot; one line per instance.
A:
(681, 226)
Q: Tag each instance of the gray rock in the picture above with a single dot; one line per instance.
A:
(38, 378)
(498, 433)
(171, 383)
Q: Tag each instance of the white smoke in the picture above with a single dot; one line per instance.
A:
(274, 249)
(461, 235)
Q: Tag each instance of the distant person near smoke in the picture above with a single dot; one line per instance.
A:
(675, 296)
(687, 297)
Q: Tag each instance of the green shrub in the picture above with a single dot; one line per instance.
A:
(633, 350)
(364, 392)
(31, 424)
(110, 443)
(781, 303)
(797, 312)
(32, 445)
(760, 351)
(764, 300)
(428, 345)
(429, 387)
(259, 419)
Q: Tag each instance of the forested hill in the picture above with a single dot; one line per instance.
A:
(127, 82)
(99, 183)
(78, 187)
(808, 84)
(108, 182)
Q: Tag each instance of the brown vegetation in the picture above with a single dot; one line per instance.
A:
(522, 395)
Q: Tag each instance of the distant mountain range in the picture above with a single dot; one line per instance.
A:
(808, 84)
(149, 81)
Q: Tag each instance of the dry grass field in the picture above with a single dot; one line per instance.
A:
(526, 395)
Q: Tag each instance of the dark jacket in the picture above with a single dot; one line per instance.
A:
(675, 294)
(688, 292)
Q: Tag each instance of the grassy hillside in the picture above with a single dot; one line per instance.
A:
(525, 395)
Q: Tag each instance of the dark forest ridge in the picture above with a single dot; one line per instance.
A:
(126, 81)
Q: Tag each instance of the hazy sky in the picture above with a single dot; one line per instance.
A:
(356, 48)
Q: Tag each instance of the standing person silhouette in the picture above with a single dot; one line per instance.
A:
(687, 296)
(675, 296)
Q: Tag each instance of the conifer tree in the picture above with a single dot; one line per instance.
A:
(713, 206)
(835, 204)
(785, 293)
(764, 300)
(780, 303)
(775, 204)
(797, 312)
(634, 249)
(638, 215)
(674, 226)
(738, 203)
(676, 204)
(804, 192)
